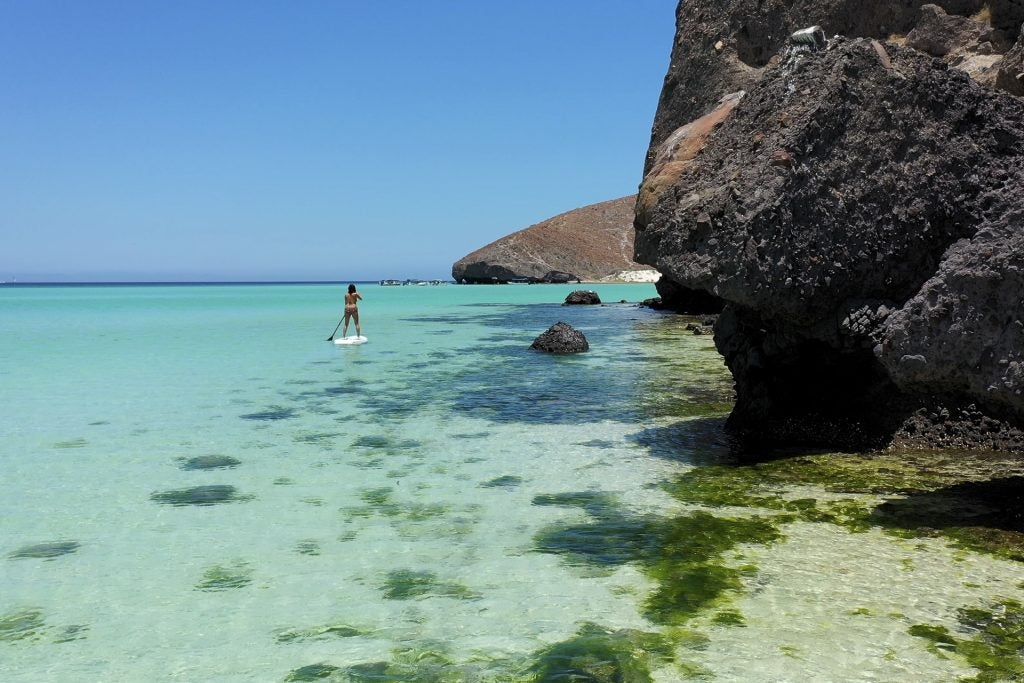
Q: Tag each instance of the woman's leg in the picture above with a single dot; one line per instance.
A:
(358, 331)
(344, 330)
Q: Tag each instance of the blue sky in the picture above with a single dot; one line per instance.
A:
(312, 140)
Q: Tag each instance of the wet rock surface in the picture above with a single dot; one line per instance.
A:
(561, 338)
(872, 283)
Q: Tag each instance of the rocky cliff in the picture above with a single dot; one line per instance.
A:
(723, 46)
(591, 243)
(860, 213)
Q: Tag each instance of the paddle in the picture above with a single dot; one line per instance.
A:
(331, 338)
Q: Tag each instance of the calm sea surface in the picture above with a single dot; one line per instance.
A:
(196, 486)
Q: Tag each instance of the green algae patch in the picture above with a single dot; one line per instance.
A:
(689, 562)
(221, 578)
(25, 624)
(45, 551)
(729, 618)
(408, 584)
(685, 555)
(992, 640)
(968, 499)
(602, 656)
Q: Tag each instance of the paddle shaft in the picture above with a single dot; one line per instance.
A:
(331, 338)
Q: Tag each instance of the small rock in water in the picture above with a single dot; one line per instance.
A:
(561, 338)
(582, 296)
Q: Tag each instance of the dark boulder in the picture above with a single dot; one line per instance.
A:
(582, 297)
(561, 338)
(873, 285)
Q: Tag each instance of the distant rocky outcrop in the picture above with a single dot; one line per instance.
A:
(561, 338)
(591, 243)
(860, 215)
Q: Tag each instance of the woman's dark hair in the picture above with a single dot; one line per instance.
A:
(351, 289)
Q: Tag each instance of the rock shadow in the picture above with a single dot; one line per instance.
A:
(986, 515)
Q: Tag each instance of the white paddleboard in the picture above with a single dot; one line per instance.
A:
(350, 340)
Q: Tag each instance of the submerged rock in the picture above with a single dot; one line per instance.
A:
(561, 338)
(861, 308)
(582, 297)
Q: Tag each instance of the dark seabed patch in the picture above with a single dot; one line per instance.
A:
(599, 443)
(317, 438)
(225, 577)
(46, 551)
(387, 442)
(210, 462)
(471, 435)
(71, 633)
(212, 494)
(71, 443)
(326, 632)
(307, 547)
(271, 413)
(314, 672)
(505, 481)
(97, 423)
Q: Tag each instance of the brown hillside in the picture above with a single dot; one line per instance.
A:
(589, 243)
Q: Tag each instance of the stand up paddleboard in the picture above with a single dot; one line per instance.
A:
(350, 340)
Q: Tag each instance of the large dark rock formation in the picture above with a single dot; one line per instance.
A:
(723, 46)
(591, 243)
(861, 214)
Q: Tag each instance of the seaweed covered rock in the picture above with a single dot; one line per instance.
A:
(860, 215)
(561, 338)
(582, 297)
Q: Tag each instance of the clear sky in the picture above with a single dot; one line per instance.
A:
(310, 140)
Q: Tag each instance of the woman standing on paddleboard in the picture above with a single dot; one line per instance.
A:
(351, 310)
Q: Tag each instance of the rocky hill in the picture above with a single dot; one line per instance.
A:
(591, 243)
(858, 212)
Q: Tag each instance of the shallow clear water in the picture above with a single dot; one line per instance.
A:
(229, 497)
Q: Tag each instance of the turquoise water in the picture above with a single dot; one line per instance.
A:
(198, 487)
